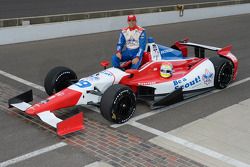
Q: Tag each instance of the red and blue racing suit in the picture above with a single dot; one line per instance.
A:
(135, 41)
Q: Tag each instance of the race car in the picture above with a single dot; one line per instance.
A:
(115, 91)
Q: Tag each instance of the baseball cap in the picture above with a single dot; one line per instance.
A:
(131, 17)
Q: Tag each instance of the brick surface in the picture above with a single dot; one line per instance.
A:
(107, 144)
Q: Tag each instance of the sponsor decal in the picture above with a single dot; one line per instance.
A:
(60, 94)
(34, 107)
(155, 52)
(52, 97)
(83, 84)
(44, 101)
(93, 78)
(207, 77)
(184, 83)
(132, 41)
(106, 73)
(142, 35)
(66, 72)
(146, 83)
(155, 49)
(167, 51)
(56, 95)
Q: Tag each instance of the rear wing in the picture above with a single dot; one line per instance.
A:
(200, 46)
(199, 51)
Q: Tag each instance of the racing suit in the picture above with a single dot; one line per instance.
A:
(135, 41)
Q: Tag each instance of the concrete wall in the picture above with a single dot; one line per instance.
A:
(10, 35)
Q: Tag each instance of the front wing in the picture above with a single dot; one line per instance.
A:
(63, 127)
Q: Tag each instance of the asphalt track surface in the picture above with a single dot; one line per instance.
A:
(31, 61)
(28, 8)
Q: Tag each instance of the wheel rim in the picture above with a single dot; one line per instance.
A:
(124, 108)
(225, 76)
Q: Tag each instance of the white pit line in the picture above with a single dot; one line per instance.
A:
(32, 154)
(191, 145)
(98, 164)
(22, 81)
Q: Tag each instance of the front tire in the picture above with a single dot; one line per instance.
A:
(118, 104)
(58, 79)
(223, 72)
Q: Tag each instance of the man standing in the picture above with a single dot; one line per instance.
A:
(134, 38)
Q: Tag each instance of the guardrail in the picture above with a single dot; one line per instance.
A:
(112, 13)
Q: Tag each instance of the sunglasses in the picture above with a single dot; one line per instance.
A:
(131, 20)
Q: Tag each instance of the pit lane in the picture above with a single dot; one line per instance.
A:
(31, 61)
(83, 54)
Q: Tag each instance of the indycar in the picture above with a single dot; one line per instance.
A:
(115, 91)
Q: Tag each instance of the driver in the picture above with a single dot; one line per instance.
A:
(166, 70)
(134, 38)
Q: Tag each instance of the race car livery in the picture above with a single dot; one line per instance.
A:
(115, 91)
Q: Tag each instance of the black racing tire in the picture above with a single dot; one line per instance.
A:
(58, 79)
(224, 70)
(118, 104)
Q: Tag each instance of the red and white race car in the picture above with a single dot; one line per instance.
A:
(116, 91)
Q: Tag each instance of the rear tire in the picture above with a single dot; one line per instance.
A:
(223, 72)
(58, 79)
(118, 104)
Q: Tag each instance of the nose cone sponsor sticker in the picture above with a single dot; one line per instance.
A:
(83, 84)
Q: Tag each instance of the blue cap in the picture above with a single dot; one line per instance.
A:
(151, 40)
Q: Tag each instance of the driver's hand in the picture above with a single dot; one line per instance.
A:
(135, 60)
(119, 55)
